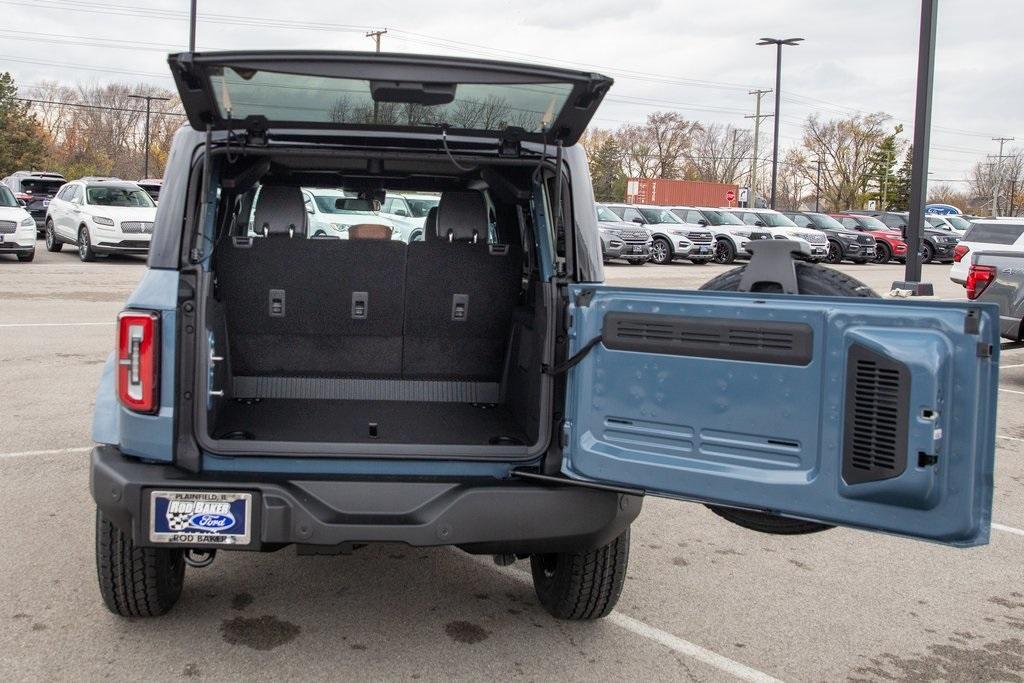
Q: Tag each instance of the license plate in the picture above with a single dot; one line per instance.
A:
(46, 202)
(196, 517)
(705, 250)
(637, 249)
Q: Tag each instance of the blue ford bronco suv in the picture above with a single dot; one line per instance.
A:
(483, 388)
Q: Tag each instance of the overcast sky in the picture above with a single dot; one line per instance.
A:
(694, 56)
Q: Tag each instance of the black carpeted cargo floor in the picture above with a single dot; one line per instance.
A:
(406, 422)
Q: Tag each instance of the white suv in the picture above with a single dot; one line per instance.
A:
(782, 228)
(986, 234)
(17, 227)
(100, 217)
(409, 207)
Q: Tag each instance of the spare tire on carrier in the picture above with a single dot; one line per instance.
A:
(813, 279)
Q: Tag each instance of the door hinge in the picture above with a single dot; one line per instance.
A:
(972, 321)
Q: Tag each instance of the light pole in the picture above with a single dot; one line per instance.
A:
(919, 160)
(778, 43)
(149, 99)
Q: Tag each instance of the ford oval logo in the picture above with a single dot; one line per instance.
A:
(212, 521)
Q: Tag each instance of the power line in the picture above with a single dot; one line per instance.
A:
(97, 106)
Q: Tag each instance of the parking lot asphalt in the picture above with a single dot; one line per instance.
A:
(704, 600)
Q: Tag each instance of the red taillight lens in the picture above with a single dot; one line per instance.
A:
(978, 278)
(959, 251)
(138, 360)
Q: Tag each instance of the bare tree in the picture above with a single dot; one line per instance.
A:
(990, 179)
(846, 147)
(718, 153)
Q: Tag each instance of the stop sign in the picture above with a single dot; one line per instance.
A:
(730, 195)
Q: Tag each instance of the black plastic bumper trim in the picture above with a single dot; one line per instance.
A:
(479, 515)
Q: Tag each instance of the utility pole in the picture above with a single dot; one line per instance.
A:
(149, 99)
(999, 174)
(817, 188)
(883, 183)
(376, 35)
(752, 192)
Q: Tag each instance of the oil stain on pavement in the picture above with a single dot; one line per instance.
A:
(466, 632)
(260, 633)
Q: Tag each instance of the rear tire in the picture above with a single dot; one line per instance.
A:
(860, 261)
(637, 262)
(136, 582)
(661, 251)
(581, 585)
(699, 261)
(85, 252)
(810, 279)
(27, 258)
(52, 243)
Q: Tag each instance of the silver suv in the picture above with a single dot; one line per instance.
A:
(673, 239)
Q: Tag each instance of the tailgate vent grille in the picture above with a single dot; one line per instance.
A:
(875, 431)
(762, 341)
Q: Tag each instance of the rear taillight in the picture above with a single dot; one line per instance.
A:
(23, 196)
(978, 278)
(138, 360)
(959, 251)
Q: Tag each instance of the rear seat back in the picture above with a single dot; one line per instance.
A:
(460, 295)
(316, 308)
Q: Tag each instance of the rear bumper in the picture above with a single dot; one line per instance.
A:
(483, 516)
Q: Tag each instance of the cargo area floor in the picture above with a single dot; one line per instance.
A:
(333, 421)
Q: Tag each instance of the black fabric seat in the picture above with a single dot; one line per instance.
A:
(280, 212)
(460, 295)
(341, 311)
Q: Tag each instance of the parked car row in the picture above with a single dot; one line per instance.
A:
(700, 234)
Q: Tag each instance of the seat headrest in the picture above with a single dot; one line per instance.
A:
(430, 225)
(280, 210)
(350, 204)
(369, 231)
(462, 215)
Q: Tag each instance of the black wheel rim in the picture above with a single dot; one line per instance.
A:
(721, 252)
(882, 255)
(833, 254)
(659, 252)
(927, 254)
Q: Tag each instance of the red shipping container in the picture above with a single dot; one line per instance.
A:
(668, 192)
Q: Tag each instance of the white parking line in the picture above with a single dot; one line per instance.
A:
(1015, 365)
(110, 322)
(674, 643)
(1008, 529)
(52, 451)
(1009, 438)
(1011, 391)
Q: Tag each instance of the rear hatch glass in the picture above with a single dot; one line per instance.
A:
(994, 233)
(46, 188)
(352, 90)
